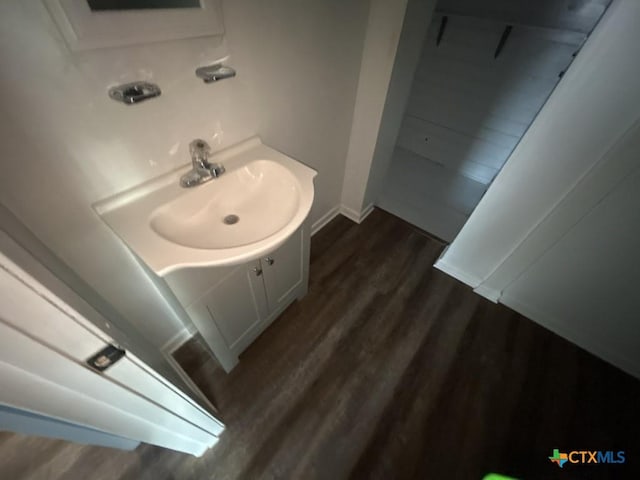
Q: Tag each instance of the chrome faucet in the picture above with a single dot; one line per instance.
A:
(201, 171)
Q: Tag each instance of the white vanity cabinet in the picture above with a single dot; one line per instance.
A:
(234, 251)
(231, 306)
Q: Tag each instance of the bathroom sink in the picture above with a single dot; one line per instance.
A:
(241, 207)
(263, 197)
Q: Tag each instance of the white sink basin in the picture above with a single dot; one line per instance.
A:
(241, 207)
(263, 197)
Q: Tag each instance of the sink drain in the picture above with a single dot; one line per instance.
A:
(231, 219)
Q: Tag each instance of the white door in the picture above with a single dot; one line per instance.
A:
(44, 346)
(234, 309)
(585, 286)
(284, 272)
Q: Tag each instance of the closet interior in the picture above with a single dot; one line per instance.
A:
(485, 70)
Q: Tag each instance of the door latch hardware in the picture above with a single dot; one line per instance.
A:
(106, 357)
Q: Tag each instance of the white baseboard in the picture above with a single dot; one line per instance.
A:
(477, 285)
(354, 215)
(452, 271)
(179, 339)
(351, 214)
(324, 219)
(365, 212)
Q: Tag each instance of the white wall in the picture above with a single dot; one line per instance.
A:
(414, 30)
(65, 144)
(384, 27)
(300, 61)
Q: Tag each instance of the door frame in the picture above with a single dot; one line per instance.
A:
(44, 343)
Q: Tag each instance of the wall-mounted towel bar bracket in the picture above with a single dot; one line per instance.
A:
(214, 73)
(134, 92)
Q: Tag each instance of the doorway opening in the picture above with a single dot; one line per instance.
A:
(484, 72)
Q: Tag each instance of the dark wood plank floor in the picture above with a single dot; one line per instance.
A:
(387, 369)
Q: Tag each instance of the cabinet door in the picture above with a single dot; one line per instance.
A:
(237, 305)
(285, 273)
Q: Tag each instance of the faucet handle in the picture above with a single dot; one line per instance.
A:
(216, 170)
(199, 148)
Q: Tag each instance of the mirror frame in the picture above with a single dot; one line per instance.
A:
(84, 29)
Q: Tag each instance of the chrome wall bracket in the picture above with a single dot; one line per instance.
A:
(134, 92)
(213, 73)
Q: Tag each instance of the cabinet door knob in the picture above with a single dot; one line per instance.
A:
(270, 260)
(257, 271)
